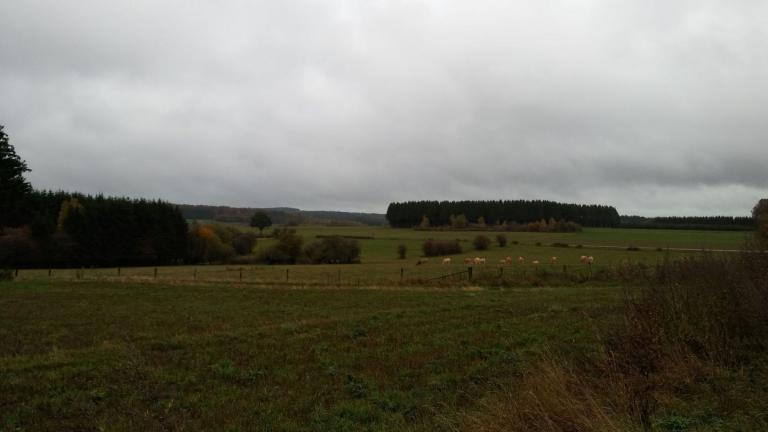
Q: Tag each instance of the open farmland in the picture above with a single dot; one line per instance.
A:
(82, 356)
(380, 265)
(354, 347)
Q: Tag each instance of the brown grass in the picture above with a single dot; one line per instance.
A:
(702, 319)
(552, 397)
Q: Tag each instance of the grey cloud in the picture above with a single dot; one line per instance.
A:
(654, 107)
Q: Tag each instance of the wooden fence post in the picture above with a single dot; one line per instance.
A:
(286, 274)
(401, 273)
(194, 273)
(155, 272)
(118, 271)
(241, 274)
(49, 272)
(469, 273)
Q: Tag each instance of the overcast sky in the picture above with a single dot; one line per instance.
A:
(655, 107)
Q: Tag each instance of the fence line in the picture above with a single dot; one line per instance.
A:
(310, 275)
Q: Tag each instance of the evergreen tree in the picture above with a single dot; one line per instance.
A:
(14, 188)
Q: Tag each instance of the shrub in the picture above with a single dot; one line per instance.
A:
(244, 243)
(333, 250)
(287, 249)
(501, 239)
(558, 244)
(459, 221)
(225, 233)
(17, 249)
(441, 247)
(6, 274)
(206, 246)
(401, 251)
(481, 242)
(713, 304)
(424, 222)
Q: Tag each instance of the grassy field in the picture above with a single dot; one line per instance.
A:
(379, 263)
(108, 356)
(348, 347)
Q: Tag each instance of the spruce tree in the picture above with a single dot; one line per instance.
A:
(13, 186)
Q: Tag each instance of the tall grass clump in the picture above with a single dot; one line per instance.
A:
(714, 305)
(692, 324)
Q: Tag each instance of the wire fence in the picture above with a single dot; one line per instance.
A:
(319, 275)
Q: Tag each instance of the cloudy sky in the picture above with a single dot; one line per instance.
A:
(655, 107)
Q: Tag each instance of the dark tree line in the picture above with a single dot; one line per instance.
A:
(409, 214)
(727, 223)
(62, 229)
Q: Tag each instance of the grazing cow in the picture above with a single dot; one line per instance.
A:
(553, 260)
(521, 260)
(422, 261)
(583, 259)
(468, 260)
(479, 260)
(590, 259)
(535, 262)
(447, 260)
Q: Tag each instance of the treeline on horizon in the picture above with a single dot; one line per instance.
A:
(721, 223)
(61, 229)
(279, 216)
(410, 213)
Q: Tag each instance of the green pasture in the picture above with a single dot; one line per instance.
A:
(123, 356)
(325, 347)
(380, 264)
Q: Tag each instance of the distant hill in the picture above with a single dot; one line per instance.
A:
(280, 215)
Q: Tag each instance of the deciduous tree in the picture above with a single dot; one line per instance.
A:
(260, 220)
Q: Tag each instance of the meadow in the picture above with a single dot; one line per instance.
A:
(197, 348)
(90, 355)
(380, 264)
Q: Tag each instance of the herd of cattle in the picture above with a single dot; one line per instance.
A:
(588, 260)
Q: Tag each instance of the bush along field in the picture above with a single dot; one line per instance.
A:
(658, 336)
